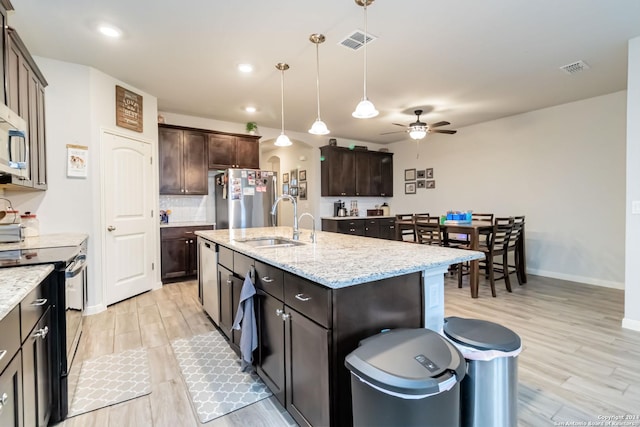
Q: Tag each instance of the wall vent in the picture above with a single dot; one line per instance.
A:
(573, 68)
(355, 40)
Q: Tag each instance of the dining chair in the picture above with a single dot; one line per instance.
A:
(404, 227)
(424, 217)
(482, 217)
(512, 247)
(428, 233)
(494, 245)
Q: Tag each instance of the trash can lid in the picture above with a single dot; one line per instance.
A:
(481, 334)
(407, 361)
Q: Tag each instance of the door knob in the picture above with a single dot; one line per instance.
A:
(111, 228)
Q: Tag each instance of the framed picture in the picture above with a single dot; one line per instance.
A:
(285, 189)
(285, 178)
(410, 175)
(302, 190)
(420, 174)
(431, 183)
(303, 175)
(293, 178)
(410, 187)
(429, 173)
(421, 183)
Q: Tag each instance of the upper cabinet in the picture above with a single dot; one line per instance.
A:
(346, 172)
(183, 161)
(233, 151)
(25, 95)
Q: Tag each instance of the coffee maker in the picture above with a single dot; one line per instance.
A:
(339, 209)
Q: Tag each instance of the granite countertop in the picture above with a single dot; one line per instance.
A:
(46, 241)
(17, 282)
(340, 260)
(187, 224)
(360, 217)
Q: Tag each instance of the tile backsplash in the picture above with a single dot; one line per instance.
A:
(185, 208)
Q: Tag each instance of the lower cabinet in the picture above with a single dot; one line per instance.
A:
(36, 373)
(382, 227)
(225, 283)
(11, 393)
(179, 251)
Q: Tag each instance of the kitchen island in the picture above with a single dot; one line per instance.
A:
(316, 301)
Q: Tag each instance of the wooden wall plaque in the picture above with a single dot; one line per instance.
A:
(128, 109)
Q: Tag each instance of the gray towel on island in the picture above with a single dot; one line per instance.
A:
(246, 322)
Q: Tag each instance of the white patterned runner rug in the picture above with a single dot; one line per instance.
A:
(111, 379)
(216, 384)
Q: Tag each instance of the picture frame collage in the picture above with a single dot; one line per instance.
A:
(294, 183)
(418, 178)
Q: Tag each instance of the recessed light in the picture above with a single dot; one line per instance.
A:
(250, 109)
(245, 68)
(110, 31)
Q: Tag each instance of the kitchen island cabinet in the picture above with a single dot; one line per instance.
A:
(315, 302)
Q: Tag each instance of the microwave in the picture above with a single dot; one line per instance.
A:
(14, 147)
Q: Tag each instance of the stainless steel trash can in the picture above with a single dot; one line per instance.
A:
(406, 377)
(489, 391)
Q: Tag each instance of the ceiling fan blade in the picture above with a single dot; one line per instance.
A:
(398, 124)
(389, 133)
(447, 131)
(438, 124)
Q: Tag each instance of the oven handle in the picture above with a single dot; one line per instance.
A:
(76, 266)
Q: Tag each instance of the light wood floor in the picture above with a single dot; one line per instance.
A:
(577, 363)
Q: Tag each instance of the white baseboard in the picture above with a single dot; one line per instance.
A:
(94, 309)
(632, 324)
(579, 279)
(157, 286)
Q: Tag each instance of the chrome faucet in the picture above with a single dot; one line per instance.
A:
(296, 232)
(313, 232)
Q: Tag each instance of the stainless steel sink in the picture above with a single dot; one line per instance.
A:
(270, 242)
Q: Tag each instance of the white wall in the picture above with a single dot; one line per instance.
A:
(80, 102)
(632, 247)
(562, 167)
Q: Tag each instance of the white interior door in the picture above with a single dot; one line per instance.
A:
(128, 199)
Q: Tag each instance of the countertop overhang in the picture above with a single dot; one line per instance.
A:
(340, 260)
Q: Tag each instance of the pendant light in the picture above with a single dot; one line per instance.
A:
(318, 127)
(365, 108)
(283, 140)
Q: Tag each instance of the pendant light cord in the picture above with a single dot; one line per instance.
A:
(282, 98)
(318, 79)
(365, 49)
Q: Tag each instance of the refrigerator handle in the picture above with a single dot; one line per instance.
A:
(274, 195)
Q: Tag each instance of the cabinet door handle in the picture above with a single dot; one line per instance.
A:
(279, 312)
(285, 317)
(267, 279)
(39, 302)
(302, 298)
(41, 333)
(229, 282)
(3, 400)
(3, 353)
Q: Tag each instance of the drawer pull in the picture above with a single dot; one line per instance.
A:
(39, 302)
(3, 353)
(229, 282)
(302, 298)
(279, 312)
(285, 317)
(267, 279)
(41, 333)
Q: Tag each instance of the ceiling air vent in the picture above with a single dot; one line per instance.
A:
(355, 40)
(574, 68)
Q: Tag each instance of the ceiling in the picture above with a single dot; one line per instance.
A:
(463, 61)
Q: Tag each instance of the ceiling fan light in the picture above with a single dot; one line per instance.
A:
(365, 110)
(418, 133)
(319, 128)
(282, 141)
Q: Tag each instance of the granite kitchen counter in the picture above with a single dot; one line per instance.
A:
(340, 260)
(16, 283)
(187, 224)
(46, 241)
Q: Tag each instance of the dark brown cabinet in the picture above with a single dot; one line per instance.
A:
(11, 393)
(183, 161)
(346, 172)
(382, 227)
(179, 253)
(233, 151)
(25, 96)
(36, 373)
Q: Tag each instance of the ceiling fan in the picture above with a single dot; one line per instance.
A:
(418, 130)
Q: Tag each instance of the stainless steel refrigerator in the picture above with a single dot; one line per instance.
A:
(244, 198)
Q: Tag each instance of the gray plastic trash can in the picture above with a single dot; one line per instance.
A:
(406, 377)
(489, 391)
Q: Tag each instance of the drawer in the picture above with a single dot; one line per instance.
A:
(225, 257)
(308, 298)
(9, 337)
(33, 307)
(241, 264)
(351, 226)
(179, 232)
(270, 279)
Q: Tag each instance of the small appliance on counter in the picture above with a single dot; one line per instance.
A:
(339, 209)
(10, 228)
